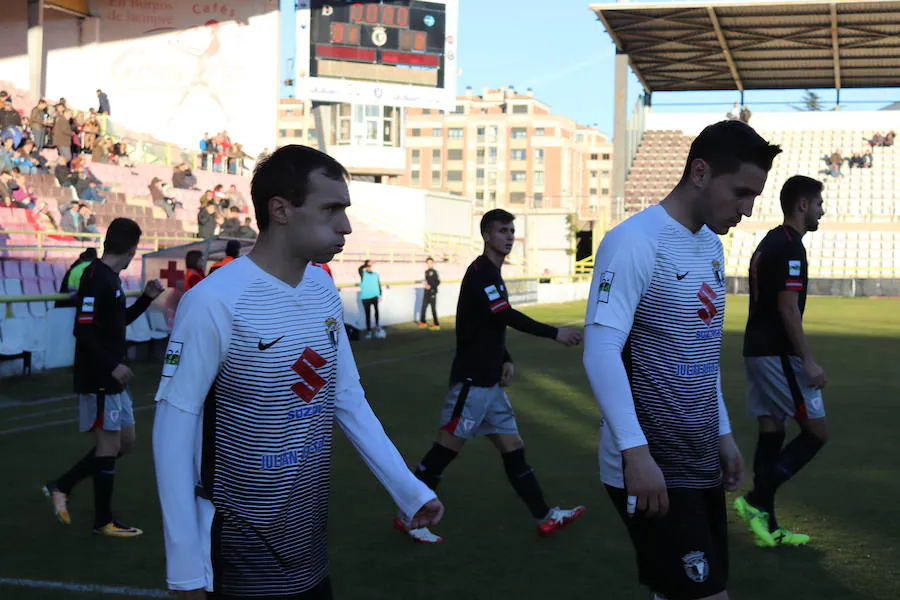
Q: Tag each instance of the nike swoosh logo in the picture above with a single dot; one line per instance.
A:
(682, 276)
(269, 345)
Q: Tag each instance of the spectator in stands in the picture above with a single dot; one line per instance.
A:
(231, 227)
(70, 217)
(745, 114)
(44, 219)
(22, 193)
(87, 186)
(248, 232)
(7, 154)
(9, 116)
(64, 175)
(370, 294)
(5, 193)
(25, 161)
(867, 159)
(103, 99)
(207, 219)
(889, 138)
(195, 271)
(232, 251)
(72, 279)
(162, 197)
(735, 113)
(204, 152)
(62, 133)
(183, 178)
(88, 221)
(101, 150)
(220, 198)
(237, 198)
(120, 152)
(90, 129)
(38, 122)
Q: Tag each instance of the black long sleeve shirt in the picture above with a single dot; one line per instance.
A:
(100, 323)
(482, 314)
(433, 280)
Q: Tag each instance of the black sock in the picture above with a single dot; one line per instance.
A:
(431, 469)
(523, 480)
(768, 447)
(790, 461)
(82, 469)
(104, 476)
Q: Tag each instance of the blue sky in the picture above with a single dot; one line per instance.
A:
(560, 50)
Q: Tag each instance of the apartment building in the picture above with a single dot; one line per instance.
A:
(506, 149)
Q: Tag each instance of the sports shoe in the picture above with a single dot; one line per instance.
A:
(423, 325)
(757, 520)
(558, 518)
(422, 535)
(370, 335)
(116, 529)
(786, 537)
(435, 328)
(380, 333)
(60, 502)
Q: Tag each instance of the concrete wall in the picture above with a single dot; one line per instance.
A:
(174, 69)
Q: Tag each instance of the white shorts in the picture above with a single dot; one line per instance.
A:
(470, 411)
(109, 412)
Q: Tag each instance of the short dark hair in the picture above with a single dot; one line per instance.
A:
(121, 236)
(235, 209)
(88, 254)
(497, 215)
(726, 145)
(192, 258)
(797, 187)
(233, 248)
(429, 258)
(285, 174)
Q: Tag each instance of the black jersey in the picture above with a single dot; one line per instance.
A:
(100, 328)
(482, 314)
(433, 280)
(778, 265)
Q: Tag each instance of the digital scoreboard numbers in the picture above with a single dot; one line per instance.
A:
(392, 41)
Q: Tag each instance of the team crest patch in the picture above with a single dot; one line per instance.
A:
(331, 326)
(696, 566)
(492, 293)
(173, 358)
(718, 272)
(87, 305)
(794, 268)
(606, 279)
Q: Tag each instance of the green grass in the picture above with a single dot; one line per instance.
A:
(846, 499)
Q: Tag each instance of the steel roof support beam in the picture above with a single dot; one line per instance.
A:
(725, 50)
(836, 49)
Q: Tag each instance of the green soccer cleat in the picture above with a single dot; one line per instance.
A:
(757, 521)
(786, 537)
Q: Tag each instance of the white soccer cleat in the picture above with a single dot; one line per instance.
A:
(558, 518)
(422, 535)
(380, 333)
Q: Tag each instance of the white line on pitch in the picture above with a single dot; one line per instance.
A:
(84, 587)
(15, 403)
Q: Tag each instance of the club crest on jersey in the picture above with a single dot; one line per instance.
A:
(606, 279)
(696, 566)
(794, 268)
(718, 272)
(331, 326)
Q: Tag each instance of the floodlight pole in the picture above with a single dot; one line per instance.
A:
(37, 55)
(620, 143)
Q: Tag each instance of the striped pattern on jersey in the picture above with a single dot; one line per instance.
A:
(268, 439)
(672, 356)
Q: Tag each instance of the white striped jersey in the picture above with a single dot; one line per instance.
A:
(269, 368)
(664, 286)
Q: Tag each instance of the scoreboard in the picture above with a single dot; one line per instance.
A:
(393, 52)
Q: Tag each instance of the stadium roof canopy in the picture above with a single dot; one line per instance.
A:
(685, 46)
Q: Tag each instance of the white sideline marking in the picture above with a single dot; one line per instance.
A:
(84, 587)
(13, 403)
(371, 363)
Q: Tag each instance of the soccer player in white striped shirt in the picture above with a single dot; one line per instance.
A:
(652, 341)
(257, 371)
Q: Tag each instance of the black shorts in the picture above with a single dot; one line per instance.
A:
(320, 592)
(684, 555)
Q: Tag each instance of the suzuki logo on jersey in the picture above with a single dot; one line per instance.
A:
(707, 297)
(310, 382)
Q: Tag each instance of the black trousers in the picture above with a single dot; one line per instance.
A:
(429, 299)
(367, 306)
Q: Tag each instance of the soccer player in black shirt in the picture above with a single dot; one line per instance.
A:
(476, 403)
(783, 378)
(429, 298)
(101, 376)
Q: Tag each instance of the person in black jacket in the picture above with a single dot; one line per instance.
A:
(476, 403)
(429, 298)
(101, 376)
